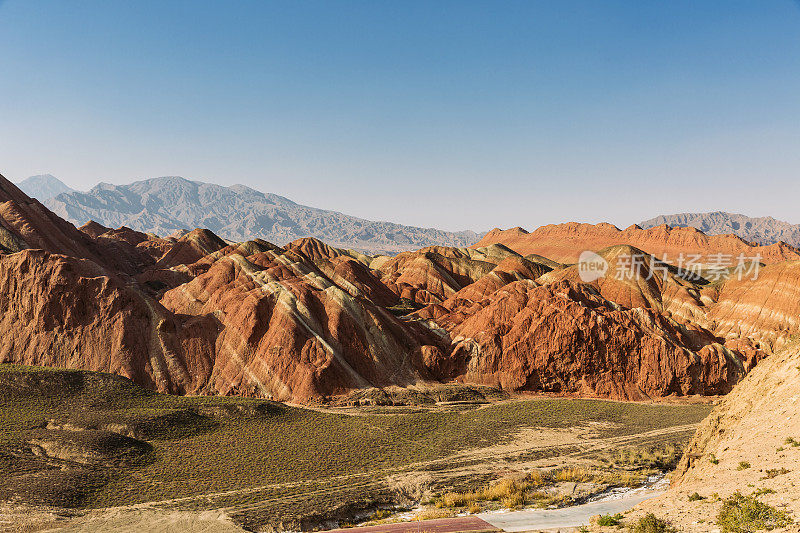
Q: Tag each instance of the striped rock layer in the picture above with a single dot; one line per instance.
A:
(194, 314)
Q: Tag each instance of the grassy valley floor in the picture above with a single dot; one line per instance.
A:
(88, 442)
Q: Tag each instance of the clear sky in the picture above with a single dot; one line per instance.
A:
(454, 114)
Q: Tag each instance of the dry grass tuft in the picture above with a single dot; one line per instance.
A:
(432, 513)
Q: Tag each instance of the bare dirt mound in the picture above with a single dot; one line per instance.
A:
(87, 446)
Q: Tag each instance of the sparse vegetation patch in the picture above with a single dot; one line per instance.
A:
(610, 520)
(239, 452)
(745, 514)
(650, 523)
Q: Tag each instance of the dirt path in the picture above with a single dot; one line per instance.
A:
(515, 521)
(566, 517)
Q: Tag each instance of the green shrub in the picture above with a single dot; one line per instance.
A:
(713, 459)
(696, 497)
(743, 465)
(610, 520)
(775, 472)
(380, 514)
(745, 514)
(650, 523)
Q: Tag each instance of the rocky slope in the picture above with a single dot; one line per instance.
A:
(65, 312)
(761, 230)
(433, 274)
(168, 204)
(646, 283)
(565, 242)
(268, 323)
(745, 445)
(26, 223)
(566, 338)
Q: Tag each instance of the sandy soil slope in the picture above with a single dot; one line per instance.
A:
(751, 426)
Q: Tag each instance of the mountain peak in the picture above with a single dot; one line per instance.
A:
(168, 204)
(761, 230)
(43, 186)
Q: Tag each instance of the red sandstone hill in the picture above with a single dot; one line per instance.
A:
(26, 223)
(766, 309)
(66, 312)
(644, 282)
(565, 242)
(289, 332)
(568, 339)
(191, 248)
(193, 314)
(433, 274)
(241, 319)
(316, 250)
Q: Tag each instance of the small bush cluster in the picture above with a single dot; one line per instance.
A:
(584, 475)
(433, 513)
(610, 520)
(513, 493)
(660, 457)
(510, 492)
(744, 514)
(650, 523)
(775, 472)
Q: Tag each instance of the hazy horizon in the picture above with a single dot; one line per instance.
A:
(454, 115)
(477, 230)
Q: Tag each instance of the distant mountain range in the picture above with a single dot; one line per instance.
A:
(43, 187)
(761, 230)
(169, 204)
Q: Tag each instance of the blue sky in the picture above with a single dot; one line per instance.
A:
(457, 114)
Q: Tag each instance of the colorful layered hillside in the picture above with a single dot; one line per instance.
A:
(566, 338)
(635, 279)
(25, 223)
(766, 309)
(70, 313)
(192, 313)
(289, 332)
(316, 250)
(565, 242)
(191, 248)
(436, 273)
(271, 316)
(428, 276)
